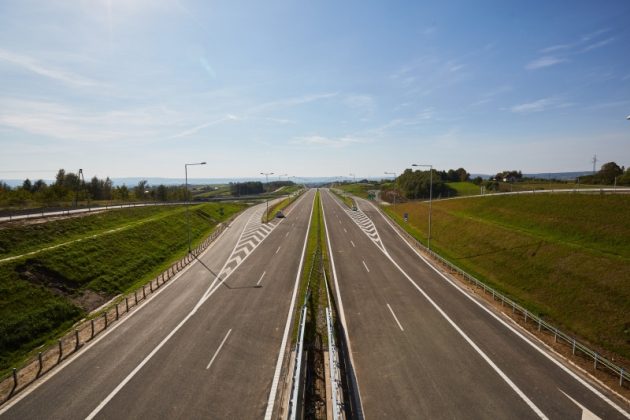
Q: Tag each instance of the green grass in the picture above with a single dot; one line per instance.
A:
(39, 307)
(566, 257)
(345, 198)
(360, 190)
(316, 251)
(464, 188)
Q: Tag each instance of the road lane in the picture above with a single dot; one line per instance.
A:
(93, 373)
(549, 385)
(541, 382)
(423, 371)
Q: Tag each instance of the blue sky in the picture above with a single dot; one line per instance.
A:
(326, 88)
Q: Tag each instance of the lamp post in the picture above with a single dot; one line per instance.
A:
(430, 199)
(266, 174)
(186, 165)
(354, 178)
(393, 173)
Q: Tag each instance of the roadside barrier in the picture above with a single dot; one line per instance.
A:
(577, 349)
(296, 392)
(87, 330)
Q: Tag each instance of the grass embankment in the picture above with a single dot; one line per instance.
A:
(360, 190)
(464, 188)
(566, 257)
(43, 294)
(345, 198)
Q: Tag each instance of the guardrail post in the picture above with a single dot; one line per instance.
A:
(539, 324)
(127, 303)
(41, 363)
(60, 352)
(15, 381)
(151, 286)
(573, 350)
(135, 296)
(595, 361)
(117, 314)
(144, 293)
(76, 340)
(92, 324)
(105, 318)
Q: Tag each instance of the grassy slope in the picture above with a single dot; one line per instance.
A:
(566, 257)
(360, 190)
(344, 198)
(464, 188)
(110, 264)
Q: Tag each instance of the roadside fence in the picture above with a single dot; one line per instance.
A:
(86, 330)
(577, 348)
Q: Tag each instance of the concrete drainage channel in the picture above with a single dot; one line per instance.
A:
(87, 330)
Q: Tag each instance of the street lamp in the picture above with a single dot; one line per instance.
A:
(430, 199)
(393, 173)
(266, 174)
(186, 165)
(354, 177)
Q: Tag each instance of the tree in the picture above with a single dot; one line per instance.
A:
(139, 190)
(162, 193)
(462, 175)
(608, 172)
(27, 186)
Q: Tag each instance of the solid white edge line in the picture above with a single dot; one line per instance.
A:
(395, 317)
(144, 361)
(261, 277)
(219, 349)
(276, 376)
(508, 326)
(342, 314)
(87, 346)
(365, 265)
(465, 336)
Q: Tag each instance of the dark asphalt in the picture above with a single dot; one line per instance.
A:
(175, 381)
(429, 369)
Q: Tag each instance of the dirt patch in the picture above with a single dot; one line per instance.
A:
(36, 273)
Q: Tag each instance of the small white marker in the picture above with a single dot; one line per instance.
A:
(365, 265)
(261, 277)
(278, 249)
(353, 245)
(219, 349)
(287, 234)
(396, 319)
(344, 229)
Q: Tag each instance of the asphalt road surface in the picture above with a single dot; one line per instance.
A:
(200, 347)
(423, 348)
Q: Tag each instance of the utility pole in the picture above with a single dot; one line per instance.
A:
(594, 162)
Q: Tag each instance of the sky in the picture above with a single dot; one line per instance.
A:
(127, 88)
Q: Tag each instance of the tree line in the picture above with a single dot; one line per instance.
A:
(238, 189)
(72, 188)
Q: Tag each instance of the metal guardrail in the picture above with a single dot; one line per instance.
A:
(294, 402)
(66, 212)
(559, 336)
(333, 363)
(86, 331)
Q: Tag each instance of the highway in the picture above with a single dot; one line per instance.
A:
(200, 347)
(422, 347)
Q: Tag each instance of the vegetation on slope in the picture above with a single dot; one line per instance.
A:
(41, 295)
(566, 257)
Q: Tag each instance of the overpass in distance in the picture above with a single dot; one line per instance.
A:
(215, 342)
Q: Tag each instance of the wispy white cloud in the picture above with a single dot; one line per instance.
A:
(66, 122)
(35, 66)
(542, 62)
(200, 127)
(539, 105)
(561, 52)
(327, 142)
(291, 102)
(598, 44)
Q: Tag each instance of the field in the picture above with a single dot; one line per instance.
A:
(565, 257)
(464, 188)
(96, 258)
